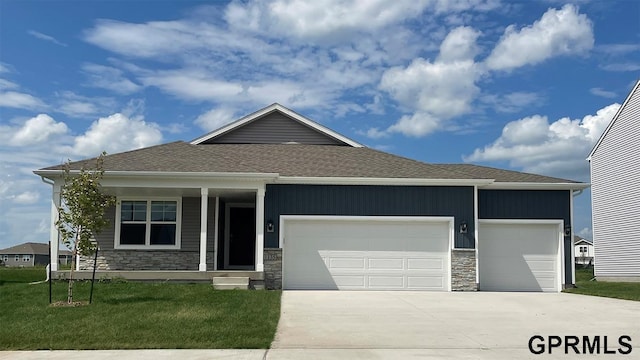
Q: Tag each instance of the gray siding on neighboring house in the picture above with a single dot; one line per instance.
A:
(12, 262)
(360, 200)
(530, 204)
(615, 193)
(275, 128)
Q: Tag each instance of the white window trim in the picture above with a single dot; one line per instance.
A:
(148, 246)
(26, 258)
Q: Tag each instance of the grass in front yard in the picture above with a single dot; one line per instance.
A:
(10, 275)
(618, 290)
(133, 315)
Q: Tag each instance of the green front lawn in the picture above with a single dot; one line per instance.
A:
(130, 315)
(619, 290)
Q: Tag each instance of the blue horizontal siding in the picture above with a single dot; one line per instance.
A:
(359, 200)
(530, 204)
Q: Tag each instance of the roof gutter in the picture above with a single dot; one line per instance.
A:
(537, 186)
(380, 181)
(168, 174)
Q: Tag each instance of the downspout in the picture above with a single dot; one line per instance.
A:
(573, 247)
(46, 181)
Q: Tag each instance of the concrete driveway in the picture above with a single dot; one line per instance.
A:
(459, 325)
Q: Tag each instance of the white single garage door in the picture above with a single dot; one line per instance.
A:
(519, 256)
(366, 253)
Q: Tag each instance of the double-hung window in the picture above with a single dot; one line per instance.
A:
(148, 223)
(26, 257)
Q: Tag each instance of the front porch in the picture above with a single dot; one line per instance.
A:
(171, 230)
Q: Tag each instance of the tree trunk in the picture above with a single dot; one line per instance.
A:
(74, 255)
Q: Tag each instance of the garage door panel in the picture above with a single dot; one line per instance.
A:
(426, 264)
(386, 282)
(518, 257)
(386, 264)
(350, 281)
(425, 282)
(384, 255)
(339, 263)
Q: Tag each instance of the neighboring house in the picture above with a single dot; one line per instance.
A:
(31, 254)
(615, 194)
(289, 203)
(583, 250)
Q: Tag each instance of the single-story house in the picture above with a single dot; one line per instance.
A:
(615, 194)
(583, 250)
(289, 203)
(31, 254)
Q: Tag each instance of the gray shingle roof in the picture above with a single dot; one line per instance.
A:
(31, 248)
(501, 175)
(295, 160)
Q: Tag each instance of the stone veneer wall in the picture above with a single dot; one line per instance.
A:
(143, 260)
(463, 270)
(273, 268)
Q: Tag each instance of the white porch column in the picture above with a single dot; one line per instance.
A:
(204, 202)
(53, 230)
(260, 229)
(216, 220)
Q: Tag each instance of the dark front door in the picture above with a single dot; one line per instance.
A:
(242, 237)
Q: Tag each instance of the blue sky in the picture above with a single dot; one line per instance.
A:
(523, 85)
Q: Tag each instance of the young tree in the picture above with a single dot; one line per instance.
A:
(82, 213)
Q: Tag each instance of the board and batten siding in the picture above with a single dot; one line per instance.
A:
(615, 195)
(190, 232)
(274, 128)
(530, 204)
(371, 200)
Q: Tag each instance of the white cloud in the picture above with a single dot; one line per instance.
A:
(215, 118)
(321, 19)
(142, 40)
(374, 133)
(27, 197)
(558, 32)
(585, 233)
(621, 67)
(443, 89)
(114, 134)
(276, 54)
(417, 124)
(557, 149)
(438, 90)
(45, 37)
(74, 105)
(6, 84)
(193, 85)
(110, 78)
(335, 20)
(459, 45)
(38, 130)
(512, 102)
(618, 49)
(603, 93)
(20, 100)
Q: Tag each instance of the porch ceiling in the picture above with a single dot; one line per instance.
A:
(234, 194)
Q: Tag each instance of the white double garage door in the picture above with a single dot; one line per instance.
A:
(414, 253)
